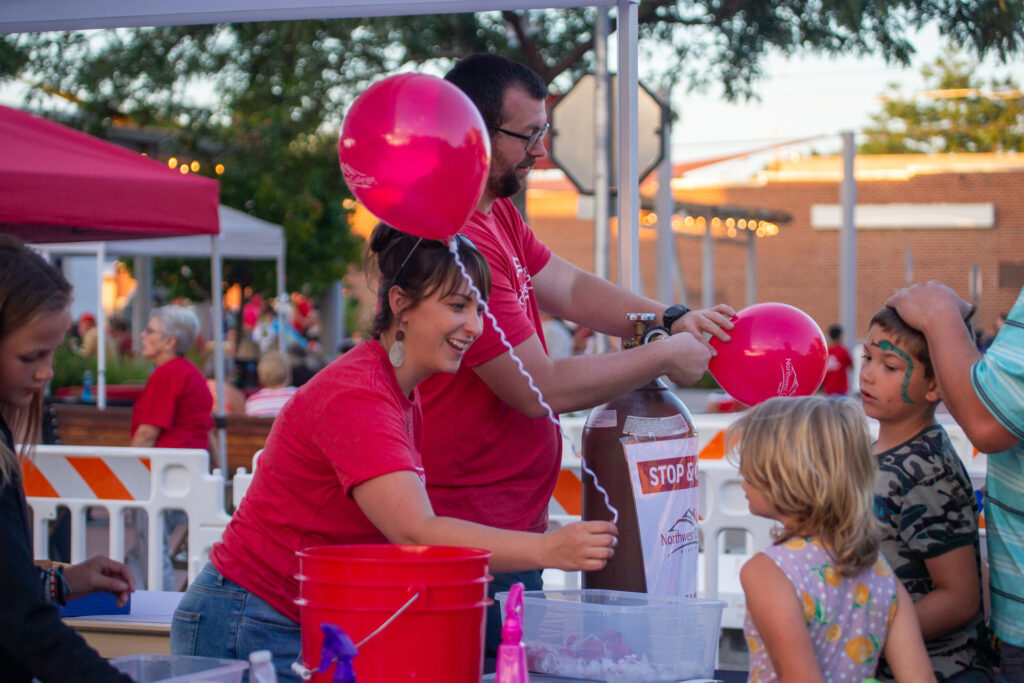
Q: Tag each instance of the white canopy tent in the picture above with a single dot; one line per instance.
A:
(241, 236)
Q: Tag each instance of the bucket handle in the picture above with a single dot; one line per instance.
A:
(416, 589)
(416, 594)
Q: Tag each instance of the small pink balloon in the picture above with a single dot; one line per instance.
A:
(775, 350)
(414, 150)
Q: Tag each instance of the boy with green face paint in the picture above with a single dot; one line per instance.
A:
(925, 501)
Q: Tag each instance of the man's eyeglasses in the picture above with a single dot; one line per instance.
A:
(530, 140)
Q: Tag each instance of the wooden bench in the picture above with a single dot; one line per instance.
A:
(84, 425)
(246, 435)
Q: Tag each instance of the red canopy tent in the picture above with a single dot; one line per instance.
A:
(58, 184)
(61, 185)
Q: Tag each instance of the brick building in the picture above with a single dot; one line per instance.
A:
(942, 214)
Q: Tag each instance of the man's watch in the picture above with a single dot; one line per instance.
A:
(672, 314)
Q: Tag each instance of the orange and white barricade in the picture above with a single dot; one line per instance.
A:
(117, 479)
(241, 481)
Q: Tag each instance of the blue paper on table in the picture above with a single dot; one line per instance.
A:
(95, 603)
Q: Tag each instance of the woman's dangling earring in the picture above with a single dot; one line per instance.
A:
(396, 354)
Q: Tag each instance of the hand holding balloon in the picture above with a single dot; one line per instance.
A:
(688, 358)
(414, 150)
(776, 350)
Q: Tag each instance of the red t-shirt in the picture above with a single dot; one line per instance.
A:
(176, 400)
(838, 363)
(486, 462)
(348, 424)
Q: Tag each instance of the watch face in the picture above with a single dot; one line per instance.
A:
(672, 314)
(676, 311)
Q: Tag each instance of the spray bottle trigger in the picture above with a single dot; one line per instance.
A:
(337, 646)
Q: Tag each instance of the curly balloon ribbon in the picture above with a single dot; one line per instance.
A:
(454, 249)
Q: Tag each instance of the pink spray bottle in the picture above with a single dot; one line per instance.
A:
(511, 664)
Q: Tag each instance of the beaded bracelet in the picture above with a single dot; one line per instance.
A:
(55, 586)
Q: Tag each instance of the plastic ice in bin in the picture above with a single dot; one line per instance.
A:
(618, 636)
(180, 669)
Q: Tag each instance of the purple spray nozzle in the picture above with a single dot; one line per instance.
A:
(337, 646)
(512, 631)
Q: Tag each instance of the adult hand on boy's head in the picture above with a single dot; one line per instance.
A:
(928, 302)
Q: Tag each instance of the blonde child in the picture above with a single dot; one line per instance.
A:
(822, 604)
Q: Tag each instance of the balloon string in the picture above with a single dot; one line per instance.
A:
(453, 247)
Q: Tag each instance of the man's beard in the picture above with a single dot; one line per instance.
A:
(505, 185)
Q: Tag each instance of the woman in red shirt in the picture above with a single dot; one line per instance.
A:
(342, 465)
(172, 412)
(174, 408)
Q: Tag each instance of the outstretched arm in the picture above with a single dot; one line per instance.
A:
(938, 312)
(581, 382)
(398, 506)
(574, 294)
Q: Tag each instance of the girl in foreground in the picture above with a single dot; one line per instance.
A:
(34, 642)
(341, 465)
(822, 603)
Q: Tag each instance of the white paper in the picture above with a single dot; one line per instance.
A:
(663, 475)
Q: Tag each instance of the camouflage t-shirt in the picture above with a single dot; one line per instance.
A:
(927, 507)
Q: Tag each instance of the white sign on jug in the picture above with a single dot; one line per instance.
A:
(664, 479)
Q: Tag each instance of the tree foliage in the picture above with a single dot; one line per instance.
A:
(955, 113)
(276, 92)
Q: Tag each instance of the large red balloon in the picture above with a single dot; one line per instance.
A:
(775, 350)
(414, 150)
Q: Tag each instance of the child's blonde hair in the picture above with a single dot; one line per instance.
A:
(273, 370)
(810, 457)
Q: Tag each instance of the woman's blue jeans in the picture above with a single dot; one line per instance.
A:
(219, 618)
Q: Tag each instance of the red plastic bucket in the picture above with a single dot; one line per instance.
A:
(438, 638)
(373, 595)
(383, 563)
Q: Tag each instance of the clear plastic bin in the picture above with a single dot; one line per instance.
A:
(180, 669)
(620, 637)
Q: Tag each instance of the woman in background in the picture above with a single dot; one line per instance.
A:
(172, 412)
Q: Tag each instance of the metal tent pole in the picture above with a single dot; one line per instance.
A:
(629, 140)
(602, 152)
(848, 241)
(101, 333)
(220, 421)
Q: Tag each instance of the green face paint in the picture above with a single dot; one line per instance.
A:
(886, 346)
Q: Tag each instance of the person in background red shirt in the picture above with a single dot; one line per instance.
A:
(839, 363)
(172, 412)
(174, 409)
(302, 308)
